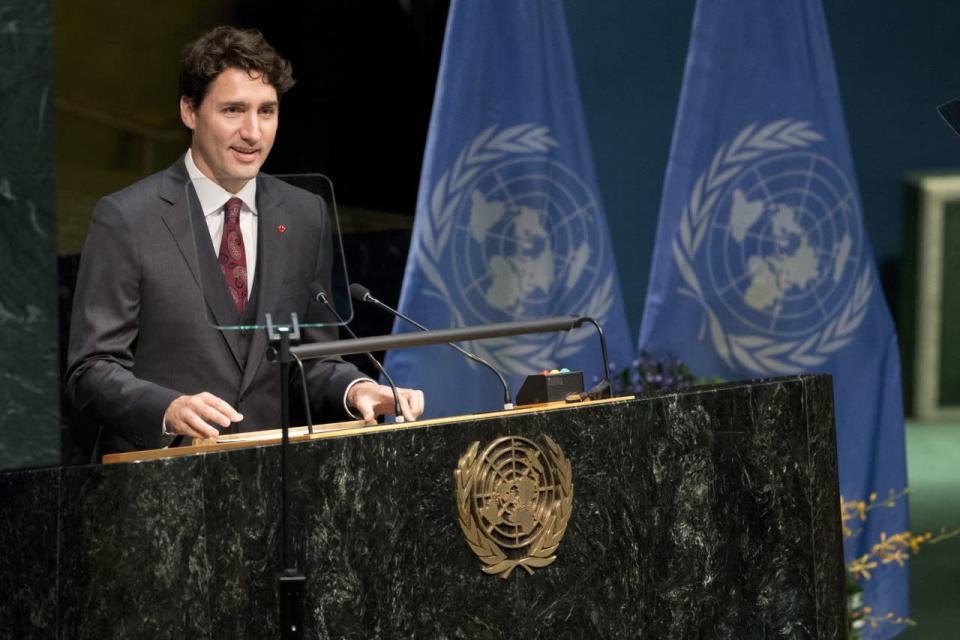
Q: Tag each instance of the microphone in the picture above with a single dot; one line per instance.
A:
(362, 294)
(602, 389)
(321, 296)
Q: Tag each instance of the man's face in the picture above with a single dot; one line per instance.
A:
(233, 128)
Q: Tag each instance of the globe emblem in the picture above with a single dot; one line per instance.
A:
(515, 492)
(527, 242)
(784, 245)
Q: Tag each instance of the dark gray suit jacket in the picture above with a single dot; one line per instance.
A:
(149, 286)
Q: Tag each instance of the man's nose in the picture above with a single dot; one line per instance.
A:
(250, 127)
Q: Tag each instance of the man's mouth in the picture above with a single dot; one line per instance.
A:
(245, 153)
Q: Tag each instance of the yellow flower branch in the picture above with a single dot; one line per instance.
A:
(858, 509)
(890, 549)
(876, 621)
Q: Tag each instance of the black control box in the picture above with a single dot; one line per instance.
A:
(549, 387)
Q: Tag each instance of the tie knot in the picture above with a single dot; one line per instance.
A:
(232, 209)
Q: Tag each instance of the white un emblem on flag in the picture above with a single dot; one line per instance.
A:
(516, 234)
(771, 246)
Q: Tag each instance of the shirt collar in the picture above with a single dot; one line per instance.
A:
(212, 196)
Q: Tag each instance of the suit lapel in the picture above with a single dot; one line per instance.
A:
(177, 218)
(185, 222)
(271, 265)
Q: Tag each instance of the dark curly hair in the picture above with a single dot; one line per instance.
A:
(227, 47)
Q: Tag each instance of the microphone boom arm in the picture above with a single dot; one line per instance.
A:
(437, 336)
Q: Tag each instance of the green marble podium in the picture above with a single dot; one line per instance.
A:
(708, 513)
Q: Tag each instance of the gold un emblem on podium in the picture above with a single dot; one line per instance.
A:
(514, 501)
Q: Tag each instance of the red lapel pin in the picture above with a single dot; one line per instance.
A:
(281, 228)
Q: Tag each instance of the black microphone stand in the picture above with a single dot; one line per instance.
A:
(291, 583)
(398, 416)
(363, 294)
(604, 389)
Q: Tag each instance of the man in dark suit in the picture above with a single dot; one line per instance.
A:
(209, 241)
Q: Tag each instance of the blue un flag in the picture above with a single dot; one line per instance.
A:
(762, 266)
(509, 222)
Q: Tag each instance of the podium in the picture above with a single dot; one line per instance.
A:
(710, 513)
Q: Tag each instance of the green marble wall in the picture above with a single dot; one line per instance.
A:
(29, 380)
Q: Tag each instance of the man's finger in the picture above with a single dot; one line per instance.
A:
(405, 408)
(183, 427)
(365, 407)
(210, 415)
(200, 426)
(412, 406)
(416, 402)
(221, 406)
(190, 432)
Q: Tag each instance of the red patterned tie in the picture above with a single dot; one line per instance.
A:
(233, 257)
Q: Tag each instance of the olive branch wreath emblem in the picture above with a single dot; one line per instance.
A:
(759, 354)
(542, 549)
(491, 145)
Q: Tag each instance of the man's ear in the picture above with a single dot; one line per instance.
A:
(187, 114)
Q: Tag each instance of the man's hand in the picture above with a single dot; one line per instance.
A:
(193, 415)
(371, 399)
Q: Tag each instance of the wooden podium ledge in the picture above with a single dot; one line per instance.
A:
(333, 429)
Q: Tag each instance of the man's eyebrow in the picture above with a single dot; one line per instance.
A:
(241, 103)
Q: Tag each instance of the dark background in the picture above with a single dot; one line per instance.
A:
(366, 74)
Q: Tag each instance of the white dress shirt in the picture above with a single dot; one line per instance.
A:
(213, 198)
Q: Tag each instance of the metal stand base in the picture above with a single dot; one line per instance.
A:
(291, 583)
